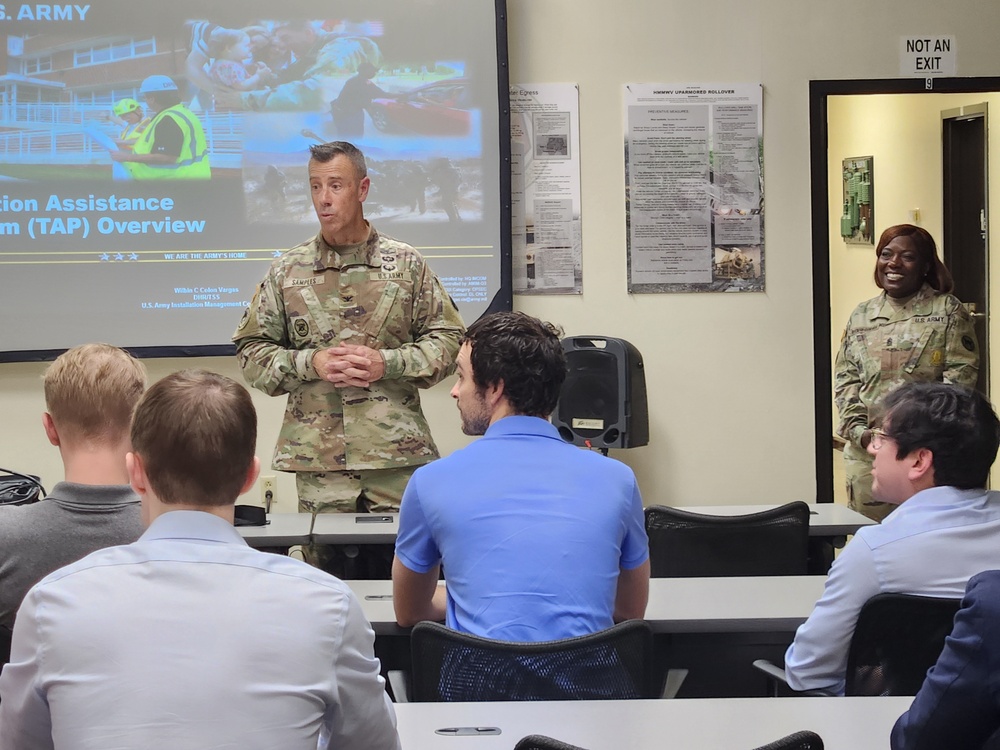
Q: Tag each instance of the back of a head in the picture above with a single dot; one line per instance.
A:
(196, 432)
(91, 391)
(957, 424)
(222, 39)
(524, 353)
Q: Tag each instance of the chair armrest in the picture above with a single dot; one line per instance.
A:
(776, 674)
(399, 684)
(672, 684)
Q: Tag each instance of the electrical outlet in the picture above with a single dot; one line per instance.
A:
(268, 485)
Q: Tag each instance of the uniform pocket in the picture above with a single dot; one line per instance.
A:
(320, 328)
(917, 352)
(380, 324)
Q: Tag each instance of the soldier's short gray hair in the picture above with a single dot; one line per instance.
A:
(325, 152)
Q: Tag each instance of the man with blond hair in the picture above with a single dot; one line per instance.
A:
(90, 392)
(188, 638)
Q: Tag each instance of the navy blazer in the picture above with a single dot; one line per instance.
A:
(958, 706)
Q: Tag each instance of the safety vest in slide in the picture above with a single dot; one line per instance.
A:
(191, 164)
(131, 132)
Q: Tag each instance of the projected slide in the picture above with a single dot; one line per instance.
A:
(153, 156)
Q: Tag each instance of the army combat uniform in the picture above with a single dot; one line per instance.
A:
(349, 445)
(929, 338)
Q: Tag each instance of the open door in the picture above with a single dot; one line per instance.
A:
(819, 92)
(966, 232)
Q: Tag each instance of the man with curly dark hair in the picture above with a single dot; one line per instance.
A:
(539, 539)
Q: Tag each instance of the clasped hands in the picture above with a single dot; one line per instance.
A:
(349, 364)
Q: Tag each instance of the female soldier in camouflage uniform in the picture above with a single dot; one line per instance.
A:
(914, 330)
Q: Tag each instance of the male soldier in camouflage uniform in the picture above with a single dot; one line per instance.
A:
(914, 331)
(349, 324)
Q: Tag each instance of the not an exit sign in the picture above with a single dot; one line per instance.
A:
(928, 56)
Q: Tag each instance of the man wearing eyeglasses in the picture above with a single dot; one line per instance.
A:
(932, 457)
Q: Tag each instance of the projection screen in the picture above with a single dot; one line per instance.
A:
(164, 261)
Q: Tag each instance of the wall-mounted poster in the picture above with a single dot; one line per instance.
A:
(857, 223)
(545, 188)
(694, 191)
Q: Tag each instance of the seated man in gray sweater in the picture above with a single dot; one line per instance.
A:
(90, 392)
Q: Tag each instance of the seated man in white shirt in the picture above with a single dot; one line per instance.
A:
(932, 458)
(188, 638)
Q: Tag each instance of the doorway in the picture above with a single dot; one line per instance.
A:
(819, 96)
(965, 172)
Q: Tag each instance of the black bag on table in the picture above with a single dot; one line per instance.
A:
(19, 489)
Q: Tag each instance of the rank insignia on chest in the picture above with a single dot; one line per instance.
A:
(301, 326)
(937, 358)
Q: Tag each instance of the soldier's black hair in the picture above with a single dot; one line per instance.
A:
(956, 424)
(324, 152)
(938, 277)
(525, 354)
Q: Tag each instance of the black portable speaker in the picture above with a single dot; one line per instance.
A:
(603, 401)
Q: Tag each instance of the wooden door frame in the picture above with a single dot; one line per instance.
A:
(819, 92)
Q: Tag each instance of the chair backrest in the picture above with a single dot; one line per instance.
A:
(612, 664)
(799, 741)
(5, 637)
(541, 742)
(690, 545)
(898, 638)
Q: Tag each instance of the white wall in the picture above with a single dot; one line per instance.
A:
(730, 377)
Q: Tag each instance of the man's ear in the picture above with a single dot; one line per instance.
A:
(493, 394)
(50, 428)
(921, 471)
(252, 473)
(136, 473)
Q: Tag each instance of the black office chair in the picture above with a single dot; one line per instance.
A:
(5, 638)
(690, 545)
(612, 664)
(541, 742)
(799, 741)
(898, 637)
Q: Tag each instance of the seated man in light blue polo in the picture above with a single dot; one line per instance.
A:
(539, 540)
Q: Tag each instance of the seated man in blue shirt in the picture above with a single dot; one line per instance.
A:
(540, 540)
(188, 638)
(958, 706)
(932, 458)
